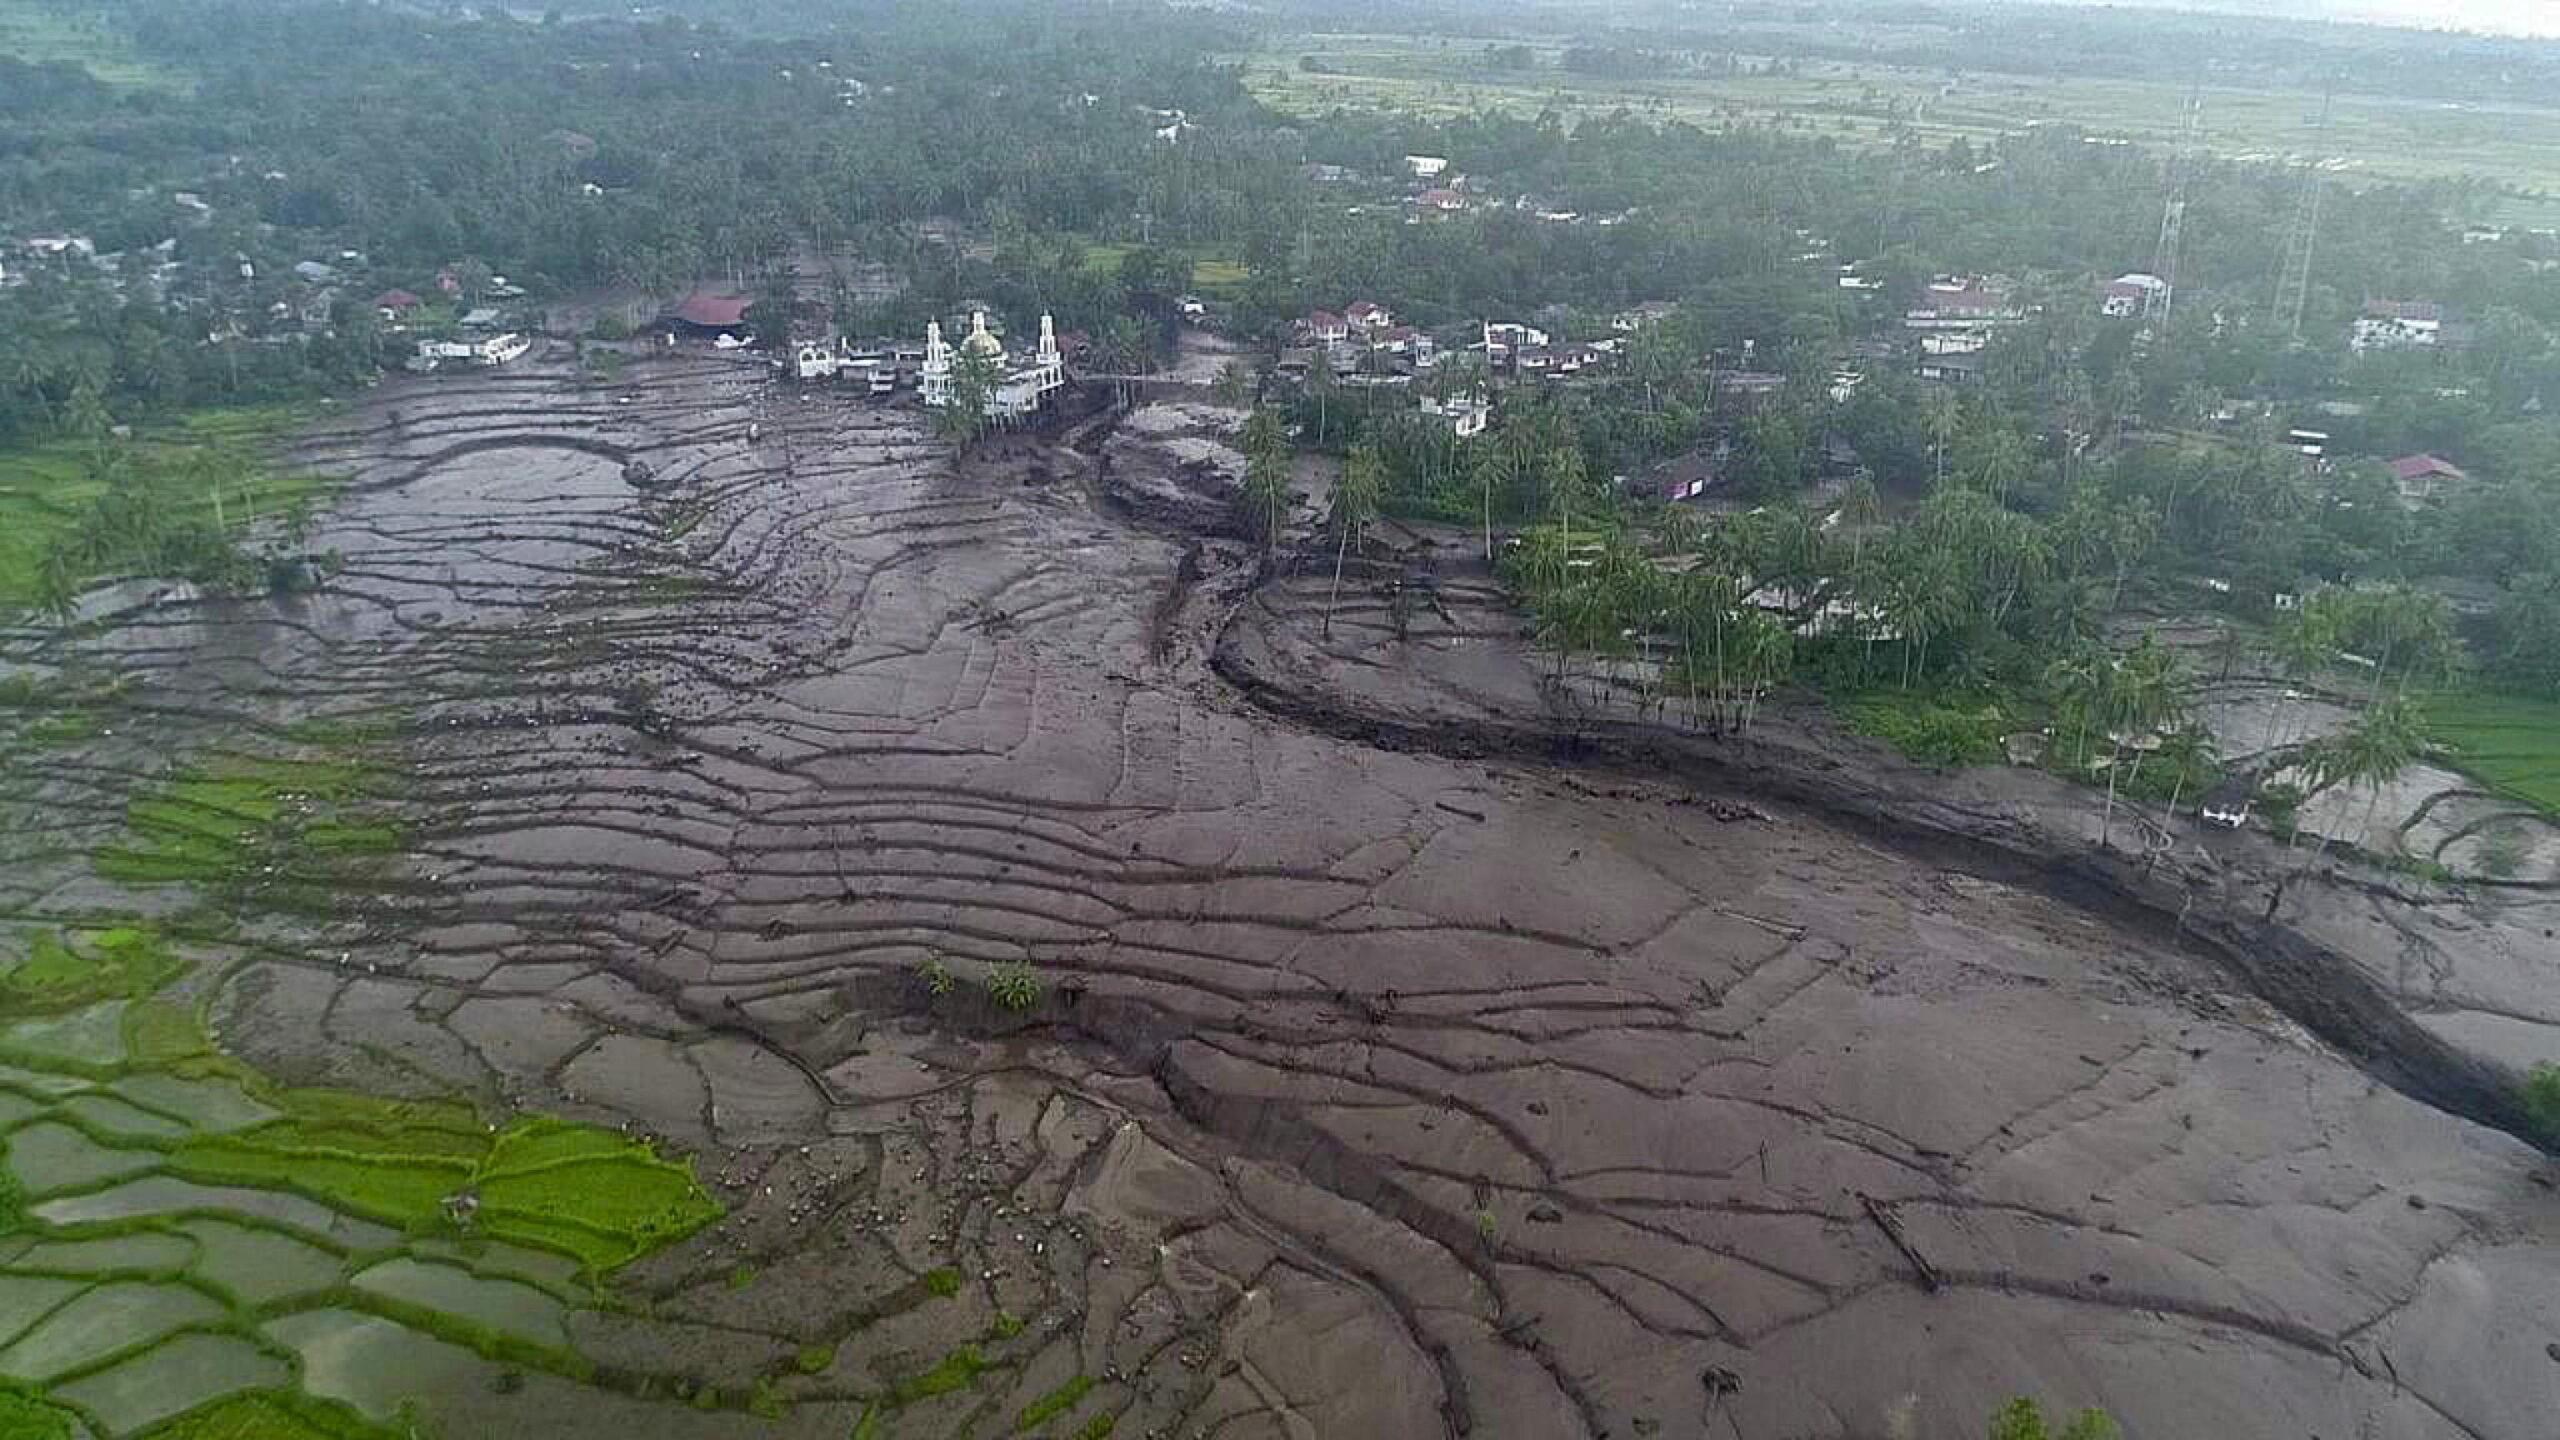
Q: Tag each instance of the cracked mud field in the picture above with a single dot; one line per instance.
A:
(1080, 1047)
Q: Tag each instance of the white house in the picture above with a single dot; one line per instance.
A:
(1642, 317)
(488, 353)
(1502, 338)
(1467, 414)
(1426, 167)
(2397, 325)
(815, 360)
(2127, 295)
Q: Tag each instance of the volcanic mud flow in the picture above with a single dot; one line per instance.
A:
(1079, 1044)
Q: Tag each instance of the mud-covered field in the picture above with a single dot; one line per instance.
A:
(1083, 1042)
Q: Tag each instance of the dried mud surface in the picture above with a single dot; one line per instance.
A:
(1367, 1090)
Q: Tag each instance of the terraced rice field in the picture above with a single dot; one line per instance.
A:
(861, 846)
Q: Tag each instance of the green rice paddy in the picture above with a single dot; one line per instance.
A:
(2379, 137)
(45, 489)
(2511, 744)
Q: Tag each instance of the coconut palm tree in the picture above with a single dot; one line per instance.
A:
(1266, 474)
(2141, 696)
(1355, 505)
(2371, 752)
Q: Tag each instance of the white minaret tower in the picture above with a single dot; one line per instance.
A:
(1048, 340)
(936, 375)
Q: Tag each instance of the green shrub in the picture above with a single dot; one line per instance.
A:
(2020, 1419)
(1014, 987)
(2542, 1100)
(944, 1282)
(1931, 731)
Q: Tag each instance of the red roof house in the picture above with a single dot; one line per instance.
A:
(1442, 200)
(2423, 477)
(1364, 315)
(396, 302)
(1323, 326)
(704, 310)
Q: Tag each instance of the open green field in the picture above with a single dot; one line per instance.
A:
(2512, 744)
(1212, 275)
(2369, 136)
(45, 489)
(41, 33)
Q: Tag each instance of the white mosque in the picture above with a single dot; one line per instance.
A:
(1021, 383)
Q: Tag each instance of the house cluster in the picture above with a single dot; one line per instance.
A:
(1954, 317)
(1363, 339)
(1528, 352)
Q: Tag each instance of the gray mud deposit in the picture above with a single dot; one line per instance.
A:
(1366, 1092)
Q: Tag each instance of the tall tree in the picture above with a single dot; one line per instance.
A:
(1266, 474)
(1355, 505)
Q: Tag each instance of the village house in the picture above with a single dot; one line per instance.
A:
(1954, 342)
(1426, 167)
(1503, 339)
(1642, 317)
(706, 314)
(1745, 390)
(2127, 296)
(486, 353)
(1963, 302)
(1962, 367)
(60, 247)
(1367, 317)
(1468, 415)
(2425, 479)
(1441, 201)
(1323, 327)
(1689, 478)
(395, 305)
(2397, 325)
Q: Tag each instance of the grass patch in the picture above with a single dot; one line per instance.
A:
(1216, 276)
(63, 970)
(269, 1415)
(1054, 1404)
(42, 34)
(944, 1282)
(24, 1417)
(1934, 730)
(2506, 742)
(957, 1371)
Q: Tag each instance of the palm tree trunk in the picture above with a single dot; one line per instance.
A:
(1342, 542)
(2107, 823)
